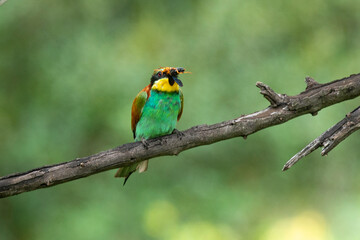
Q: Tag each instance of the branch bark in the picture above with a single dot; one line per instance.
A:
(2, 2)
(283, 108)
(331, 138)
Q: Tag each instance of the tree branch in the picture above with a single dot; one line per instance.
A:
(331, 138)
(283, 108)
(2, 2)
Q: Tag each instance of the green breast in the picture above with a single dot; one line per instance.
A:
(159, 115)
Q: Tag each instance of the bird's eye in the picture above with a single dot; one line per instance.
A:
(159, 74)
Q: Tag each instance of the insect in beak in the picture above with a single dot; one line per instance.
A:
(178, 81)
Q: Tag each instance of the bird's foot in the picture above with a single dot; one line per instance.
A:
(145, 143)
(178, 133)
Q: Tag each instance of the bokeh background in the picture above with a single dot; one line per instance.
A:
(69, 71)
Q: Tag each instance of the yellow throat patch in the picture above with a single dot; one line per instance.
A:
(163, 85)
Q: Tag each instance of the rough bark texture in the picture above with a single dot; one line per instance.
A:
(331, 138)
(282, 109)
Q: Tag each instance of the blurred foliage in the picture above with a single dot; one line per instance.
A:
(69, 71)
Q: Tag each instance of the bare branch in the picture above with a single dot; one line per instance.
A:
(274, 98)
(331, 138)
(315, 98)
(351, 124)
(2, 2)
(311, 83)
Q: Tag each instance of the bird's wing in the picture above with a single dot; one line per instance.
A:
(137, 107)
(182, 104)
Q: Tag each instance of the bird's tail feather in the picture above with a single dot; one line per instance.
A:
(127, 171)
(143, 166)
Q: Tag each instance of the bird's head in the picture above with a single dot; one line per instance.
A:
(169, 73)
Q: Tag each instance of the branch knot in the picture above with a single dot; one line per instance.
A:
(274, 98)
(311, 83)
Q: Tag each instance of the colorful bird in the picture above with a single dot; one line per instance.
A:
(155, 111)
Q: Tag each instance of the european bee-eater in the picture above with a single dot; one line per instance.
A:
(155, 111)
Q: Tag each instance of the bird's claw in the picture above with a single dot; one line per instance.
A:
(178, 133)
(145, 143)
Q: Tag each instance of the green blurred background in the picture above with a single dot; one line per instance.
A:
(69, 71)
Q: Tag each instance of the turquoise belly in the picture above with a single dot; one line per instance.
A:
(159, 115)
